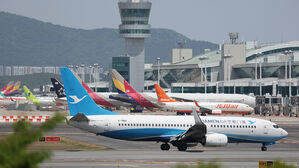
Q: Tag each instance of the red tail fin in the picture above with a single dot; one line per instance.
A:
(196, 103)
(162, 97)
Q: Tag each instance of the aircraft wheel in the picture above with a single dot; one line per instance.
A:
(165, 146)
(263, 148)
(182, 147)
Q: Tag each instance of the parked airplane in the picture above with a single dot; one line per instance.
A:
(180, 131)
(148, 100)
(211, 97)
(127, 94)
(209, 107)
(4, 101)
(58, 88)
(12, 89)
(7, 86)
(99, 98)
(38, 101)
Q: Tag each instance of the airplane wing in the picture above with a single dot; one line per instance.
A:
(196, 133)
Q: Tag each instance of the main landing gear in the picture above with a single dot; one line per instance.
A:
(182, 147)
(264, 148)
(165, 146)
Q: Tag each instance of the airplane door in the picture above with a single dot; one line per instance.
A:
(266, 129)
(107, 125)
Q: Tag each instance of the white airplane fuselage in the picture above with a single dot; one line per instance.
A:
(46, 100)
(211, 97)
(162, 128)
(222, 107)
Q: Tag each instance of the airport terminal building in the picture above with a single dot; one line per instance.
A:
(245, 68)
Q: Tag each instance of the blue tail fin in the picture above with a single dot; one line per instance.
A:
(78, 99)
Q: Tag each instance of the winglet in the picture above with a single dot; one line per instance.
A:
(196, 117)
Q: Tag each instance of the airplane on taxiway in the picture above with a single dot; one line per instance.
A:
(180, 131)
(215, 108)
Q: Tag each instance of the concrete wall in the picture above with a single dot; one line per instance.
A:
(232, 54)
(180, 54)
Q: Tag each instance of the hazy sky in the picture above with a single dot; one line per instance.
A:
(210, 20)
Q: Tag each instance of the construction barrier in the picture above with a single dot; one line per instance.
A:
(10, 119)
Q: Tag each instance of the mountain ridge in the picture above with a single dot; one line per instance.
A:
(30, 42)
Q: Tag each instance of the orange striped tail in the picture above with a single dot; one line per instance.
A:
(162, 97)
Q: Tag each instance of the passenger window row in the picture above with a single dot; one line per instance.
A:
(153, 125)
(233, 126)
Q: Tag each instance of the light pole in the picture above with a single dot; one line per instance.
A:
(95, 77)
(202, 58)
(255, 72)
(158, 60)
(77, 70)
(83, 72)
(290, 72)
(90, 70)
(259, 55)
(288, 57)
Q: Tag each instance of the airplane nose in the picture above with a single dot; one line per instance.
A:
(284, 133)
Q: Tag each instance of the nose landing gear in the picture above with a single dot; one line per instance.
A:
(165, 146)
(264, 148)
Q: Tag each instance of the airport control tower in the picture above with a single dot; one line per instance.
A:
(134, 28)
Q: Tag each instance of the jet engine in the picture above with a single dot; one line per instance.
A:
(215, 140)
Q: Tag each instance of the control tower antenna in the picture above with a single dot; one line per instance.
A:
(233, 37)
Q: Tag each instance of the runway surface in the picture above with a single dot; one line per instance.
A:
(148, 154)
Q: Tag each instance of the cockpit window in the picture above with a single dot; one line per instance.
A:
(275, 126)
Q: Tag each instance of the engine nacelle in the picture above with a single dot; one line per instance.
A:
(215, 140)
(216, 112)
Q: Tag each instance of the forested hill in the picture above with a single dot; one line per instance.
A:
(26, 41)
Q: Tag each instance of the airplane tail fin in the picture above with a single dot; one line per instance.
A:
(78, 99)
(30, 96)
(17, 86)
(7, 86)
(12, 89)
(2, 95)
(58, 87)
(120, 83)
(162, 96)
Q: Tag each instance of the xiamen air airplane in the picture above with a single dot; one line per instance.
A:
(179, 131)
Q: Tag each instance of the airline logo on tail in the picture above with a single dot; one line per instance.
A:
(162, 96)
(30, 96)
(125, 89)
(7, 87)
(12, 89)
(76, 99)
(76, 93)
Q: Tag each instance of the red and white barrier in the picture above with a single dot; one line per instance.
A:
(9, 119)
